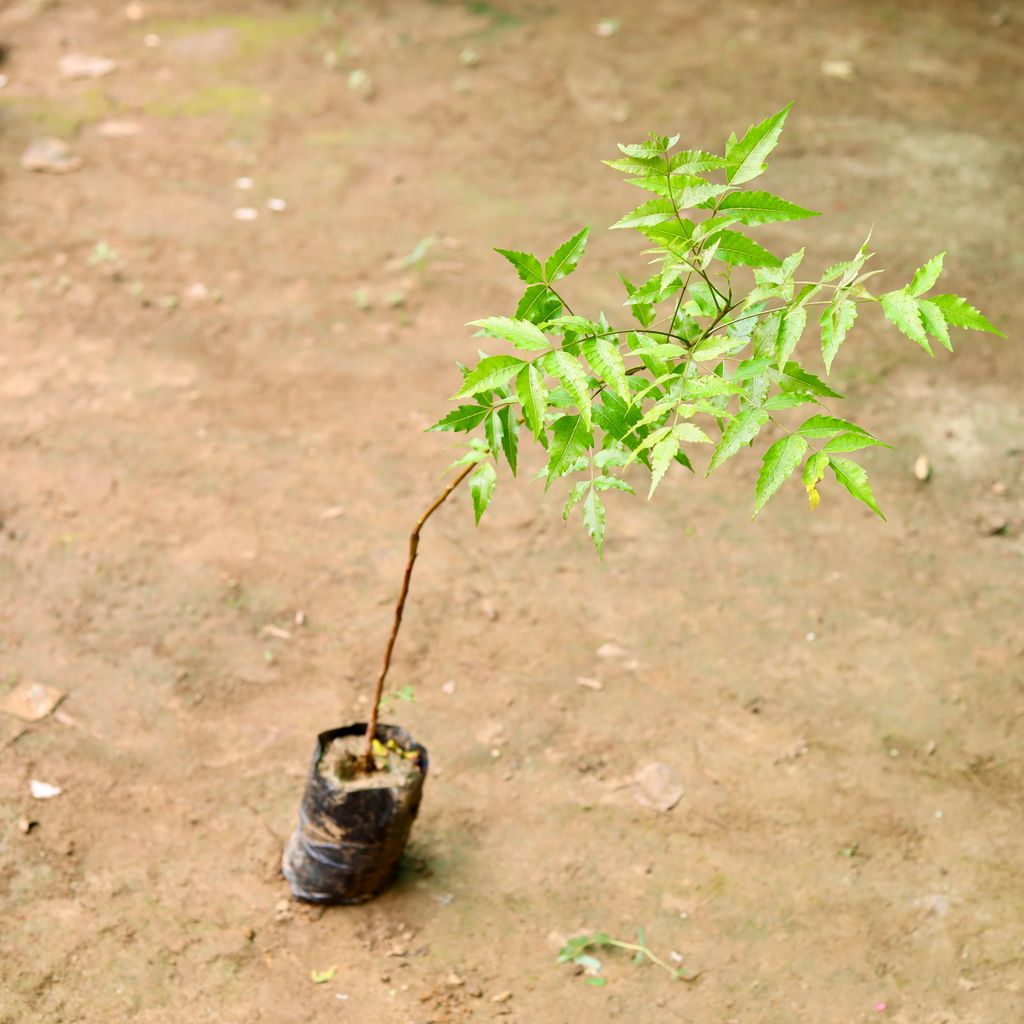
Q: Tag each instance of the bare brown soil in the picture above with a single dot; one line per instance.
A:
(203, 434)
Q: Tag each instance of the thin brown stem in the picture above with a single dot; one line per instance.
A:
(414, 544)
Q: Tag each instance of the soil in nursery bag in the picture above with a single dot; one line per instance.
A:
(353, 825)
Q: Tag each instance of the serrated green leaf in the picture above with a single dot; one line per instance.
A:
(656, 211)
(900, 308)
(465, 417)
(787, 400)
(739, 250)
(617, 419)
(794, 320)
(934, 322)
(577, 324)
(492, 431)
(742, 429)
(926, 276)
(694, 161)
(643, 311)
(521, 333)
(593, 519)
(527, 265)
(746, 158)
(777, 466)
(690, 432)
(510, 436)
(960, 313)
(793, 377)
(637, 164)
(489, 373)
(613, 483)
(814, 472)
(533, 397)
(481, 488)
(661, 458)
(835, 322)
(570, 438)
(538, 304)
(829, 426)
(566, 257)
(686, 192)
(855, 479)
(655, 147)
(762, 208)
(575, 497)
(606, 362)
(852, 443)
(568, 370)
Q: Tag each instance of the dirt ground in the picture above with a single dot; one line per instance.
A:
(203, 434)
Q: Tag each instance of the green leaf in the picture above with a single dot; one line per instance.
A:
(793, 377)
(643, 311)
(565, 258)
(576, 324)
(593, 519)
(900, 308)
(606, 362)
(829, 426)
(574, 380)
(575, 497)
(690, 432)
(533, 397)
(784, 400)
(527, 265)
(814, 471)
(746, 158)
(491, 372)
(762, 208)
(521, 333)
(657, 211)
(613, 483)
(854, 478)
(538, 304)
(742, 429)
(960, 313)
(510, 436)
(614, 417)
(481, 488)
(694, 161)
(661, 458)
(934, 322)
(852, 443)
(465, 417)
(738, 249)
(779, 462)
(683, 192)
(493, 432)
(570, 438)
(926, 276)
(835, 322)
(794, 320)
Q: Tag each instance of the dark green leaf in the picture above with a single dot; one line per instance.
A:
(538, 304)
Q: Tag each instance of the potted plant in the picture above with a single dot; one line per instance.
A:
(711, 360)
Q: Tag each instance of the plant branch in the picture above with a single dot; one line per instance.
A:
(414, 544)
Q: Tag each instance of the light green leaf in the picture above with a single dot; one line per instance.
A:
(493, 432)
(835, 322)
(575, 497)
(643, 311)
(657, 211)
(481, 488)
(794, 320)
(926, 276)
(829, 426)
(814, 472)
(787, 400)
(521, 333)
(527, 265)
(568, 370)
(538, 304)
(793, 377)
(762, 208)
(746, 158)
(688, 192)
(742, 429)
(613, 483)
(606, 362)
(491, 372)
(690, 432)
(779, 462)
(934, 322)
(565, 258)
(852, 443)
(533, 397)
(738, 249)
(854, 478)
(570, 439)
(661, 458)
(694, 161)
(960, 313)
(578, 324)
(465, 417)
(593, 519)
(900, 308)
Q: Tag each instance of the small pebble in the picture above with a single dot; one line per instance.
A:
(588, 683)
(246, 213)
(151, 40)
(811, 637)
(501, 997)
(25, 825)
(244, 184)
(922, 468)
(277, 205)
(448, 687)
(841, 69)
(611, 650)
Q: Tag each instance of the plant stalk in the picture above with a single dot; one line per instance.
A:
(414, 544)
